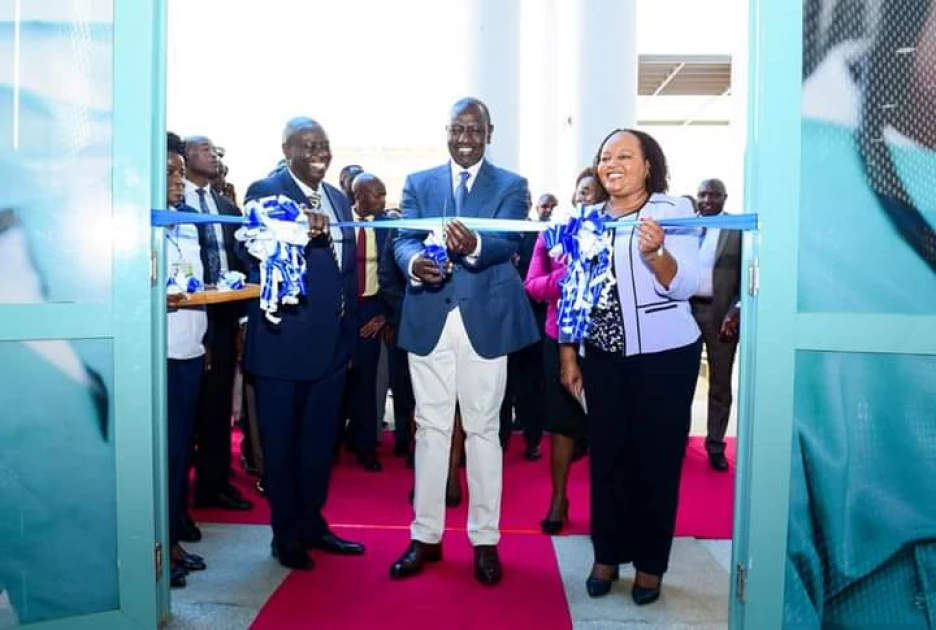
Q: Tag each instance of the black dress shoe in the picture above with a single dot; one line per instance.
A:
(369, 462)
(193, 562)
(291, 557)
(718, 461)
(177, 576)
(332, 544)
(414, 560)
(533, 453)
(190, 531)
(487, 565)
(643, 595)
(598, 587)
(229, 499)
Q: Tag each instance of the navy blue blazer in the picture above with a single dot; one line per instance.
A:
(489, 292)
(312, 340)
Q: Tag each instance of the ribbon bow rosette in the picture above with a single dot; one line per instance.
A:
(585, 244)
(274, 236)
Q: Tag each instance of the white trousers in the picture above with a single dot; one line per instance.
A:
(454, 371)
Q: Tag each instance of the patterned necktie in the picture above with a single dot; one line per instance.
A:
(210, 252)
(315, 203)
(461, 193)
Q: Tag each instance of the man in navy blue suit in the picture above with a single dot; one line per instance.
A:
(370, 198)
(459, 324)
(300, 364)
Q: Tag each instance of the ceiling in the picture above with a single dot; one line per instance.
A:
(684, 75)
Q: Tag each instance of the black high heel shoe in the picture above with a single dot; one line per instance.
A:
(643, 595)
(551, 527)
(598, 587)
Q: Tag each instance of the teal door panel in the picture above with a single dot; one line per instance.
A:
(76, 468)
(841, 514)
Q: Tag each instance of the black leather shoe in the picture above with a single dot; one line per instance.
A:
(291, 557)
(177, 576)
(487, 565)
(598, 587)
(533, 453)
(643, 595)
(193, 562)
(414, 560)
(718, 461)
(190, 531)
(369, 462)
(332, 544)
(229, 499)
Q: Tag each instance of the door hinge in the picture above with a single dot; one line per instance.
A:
(740, 582)
(158, 560)
(753, 278)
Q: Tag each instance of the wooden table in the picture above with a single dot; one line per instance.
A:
(213, 296)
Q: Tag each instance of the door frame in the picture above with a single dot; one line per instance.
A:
(772, 175)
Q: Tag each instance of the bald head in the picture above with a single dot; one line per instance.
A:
(711, 197)
(307, 151)
(370, 194)
(545, 206)
(297, 125)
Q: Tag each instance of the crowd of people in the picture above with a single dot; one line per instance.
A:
(471, 348)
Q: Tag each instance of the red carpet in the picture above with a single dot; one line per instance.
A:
(380, 500)
(357, 593)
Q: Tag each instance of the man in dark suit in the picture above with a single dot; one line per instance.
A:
(300, 364)
(213, 423)
(715, 308)
(370, 199)
(459, 324)
(525, 387)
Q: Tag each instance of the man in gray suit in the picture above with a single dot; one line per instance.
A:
(715, 308)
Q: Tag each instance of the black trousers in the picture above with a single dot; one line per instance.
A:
(524, 394)
(404, 402)
(639, 414)
(215, 404)
(298, 429)
(182, 384)
(360, 404)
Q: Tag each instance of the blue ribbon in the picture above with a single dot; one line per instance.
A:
(164, 218)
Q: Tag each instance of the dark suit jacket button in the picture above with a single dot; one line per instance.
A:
(448, 300)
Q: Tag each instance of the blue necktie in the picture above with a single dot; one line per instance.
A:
(210, 254)
(461, 193)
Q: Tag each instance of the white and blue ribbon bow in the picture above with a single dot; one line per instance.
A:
(584, 242)
(274, 236)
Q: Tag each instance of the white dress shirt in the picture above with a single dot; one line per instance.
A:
(192, 201)
(185, 327)
(708, 252)
(456, 171)
(336, 233)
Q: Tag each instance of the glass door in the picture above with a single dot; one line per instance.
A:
(77, 540)
(842, 511)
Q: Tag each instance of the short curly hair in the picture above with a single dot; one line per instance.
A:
(658, 182)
